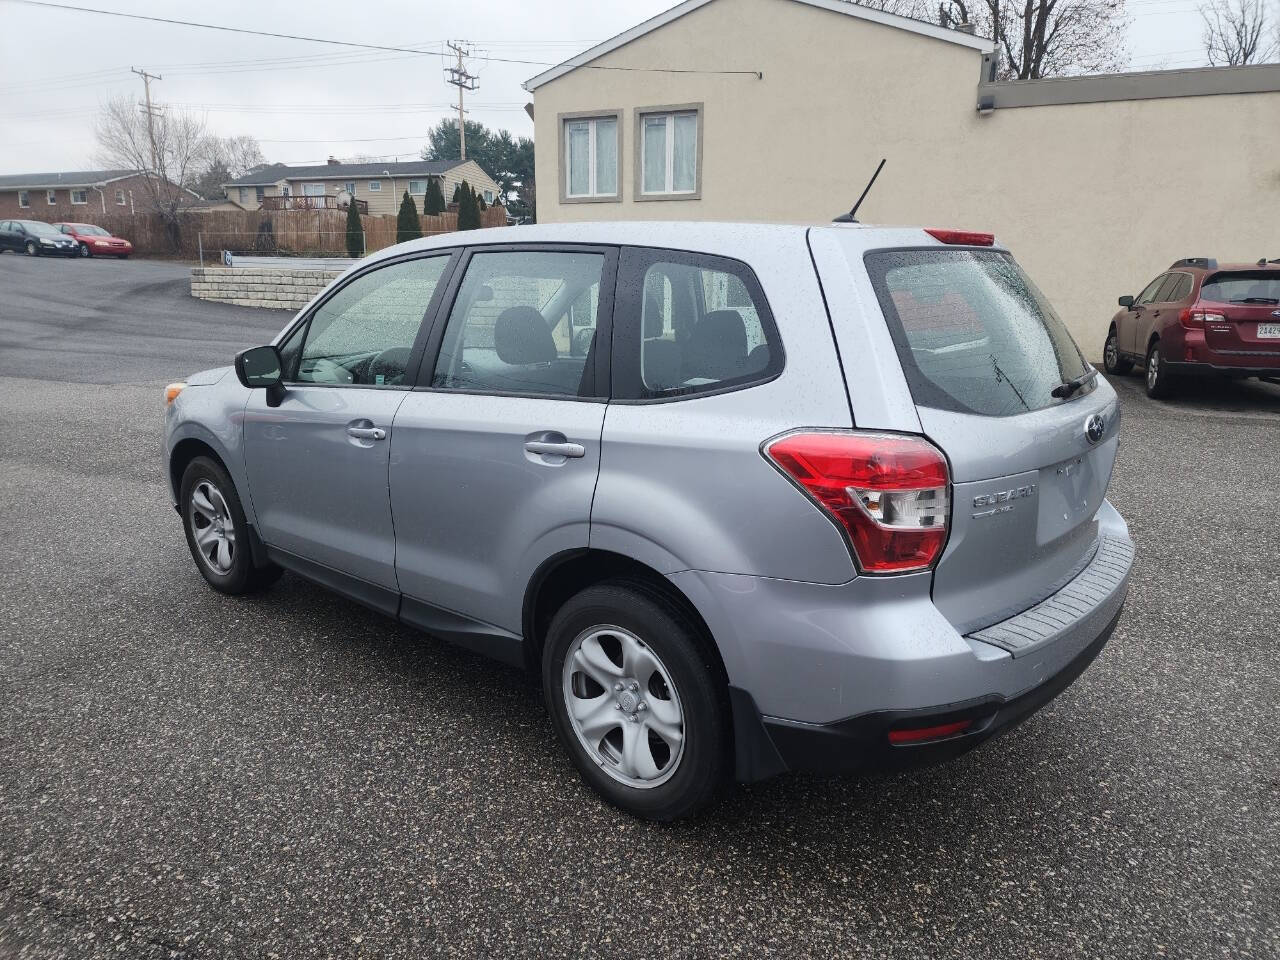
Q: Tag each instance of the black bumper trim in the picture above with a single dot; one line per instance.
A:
(1192, 368)
(768, 745)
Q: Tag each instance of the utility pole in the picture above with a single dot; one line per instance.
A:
(460, 78)
(150, 111)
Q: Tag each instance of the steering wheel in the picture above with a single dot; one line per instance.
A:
(392, 364)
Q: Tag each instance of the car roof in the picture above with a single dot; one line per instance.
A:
(695, 235)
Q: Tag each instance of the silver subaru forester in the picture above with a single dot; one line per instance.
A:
(750, 498)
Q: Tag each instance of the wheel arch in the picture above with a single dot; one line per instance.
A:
(180, 457)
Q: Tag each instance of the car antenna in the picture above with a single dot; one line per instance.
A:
(851, 216)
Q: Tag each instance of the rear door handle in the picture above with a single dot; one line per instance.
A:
(549, 448)
(367, 433)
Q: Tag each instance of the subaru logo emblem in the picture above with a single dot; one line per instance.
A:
(1094, 428)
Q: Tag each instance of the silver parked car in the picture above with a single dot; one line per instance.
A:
(751, 498)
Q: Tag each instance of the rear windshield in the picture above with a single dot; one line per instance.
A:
(1257, 287)
(973, 333)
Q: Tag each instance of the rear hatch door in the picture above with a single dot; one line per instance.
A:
(983, 353)
(1242, 316)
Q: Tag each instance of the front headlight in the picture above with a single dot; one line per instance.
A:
(45, 241)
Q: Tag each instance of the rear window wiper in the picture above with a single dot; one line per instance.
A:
(1256, 300)
(1064, 390)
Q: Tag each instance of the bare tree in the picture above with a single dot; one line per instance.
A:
(169, 148)
(237, 155)
(1036, 38)
(1235, 32)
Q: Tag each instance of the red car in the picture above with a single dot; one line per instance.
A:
(96, 242)
(1200, 317)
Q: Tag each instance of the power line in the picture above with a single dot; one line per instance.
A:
(351, 43)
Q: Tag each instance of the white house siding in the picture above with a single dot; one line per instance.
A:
(1095, 199)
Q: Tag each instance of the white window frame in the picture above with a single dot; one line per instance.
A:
(51, 197)
(120, 198)
(669, 112)
(349, 186)
(422, 184)
(590, 118)
(313, 190)
(24, 199)
(84, 194)
(375, 186)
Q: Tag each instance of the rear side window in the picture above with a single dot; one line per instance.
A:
(1259, 286)
(524, 322)
(690, 323)
(972, 331)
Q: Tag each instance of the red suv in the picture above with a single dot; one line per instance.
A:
(1200, 317)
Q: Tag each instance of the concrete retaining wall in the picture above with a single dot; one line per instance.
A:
(274, 287)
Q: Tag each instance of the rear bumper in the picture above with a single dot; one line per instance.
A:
(821, 674)
(1253, 369)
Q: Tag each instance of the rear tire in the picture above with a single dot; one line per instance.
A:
(658, 743)
(1159, 380)
(1112, 362)
(217, 531)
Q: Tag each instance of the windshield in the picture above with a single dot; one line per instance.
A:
(973, 333)
(1259, 286)
(40, 229)
(89, 230)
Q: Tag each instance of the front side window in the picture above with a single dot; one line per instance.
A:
(24, 198)
(694, 323)
(1149, 294)
(524, 322)
(591, 157)
(79, 196)
(51, 197)
(669, 153)
(364, 334)
(973, 333)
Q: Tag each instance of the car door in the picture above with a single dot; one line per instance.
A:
(1131, 336)
(8, 239)
(495, 455)
(317, 461)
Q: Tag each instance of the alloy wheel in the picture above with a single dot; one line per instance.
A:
(32, 249)
(212, 528)
(623, 706)
(1109, 353)
(1153, 368)
(84, 249)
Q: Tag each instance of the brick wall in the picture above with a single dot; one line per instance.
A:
(271, 287)
(64, 210)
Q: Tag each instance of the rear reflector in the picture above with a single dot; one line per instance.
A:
(889, 493)
(920, 734)
(963, 238)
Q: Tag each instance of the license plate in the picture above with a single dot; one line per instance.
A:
(1269, 331)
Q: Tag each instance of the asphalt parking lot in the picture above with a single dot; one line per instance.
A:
(184, 774)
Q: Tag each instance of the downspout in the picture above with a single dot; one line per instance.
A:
(101, 196)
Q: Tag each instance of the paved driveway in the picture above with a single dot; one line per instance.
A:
(188, 775)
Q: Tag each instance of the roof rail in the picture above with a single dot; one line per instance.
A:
(1205, 263)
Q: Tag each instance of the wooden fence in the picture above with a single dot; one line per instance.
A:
(273, 233)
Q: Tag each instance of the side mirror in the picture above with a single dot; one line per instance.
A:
(1126, 301)
(261, 367)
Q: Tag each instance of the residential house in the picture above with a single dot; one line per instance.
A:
(379, 185)
(53, 197)
(1096, 183)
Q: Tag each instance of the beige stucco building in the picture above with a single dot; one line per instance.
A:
(1096, 183)
(380, 185)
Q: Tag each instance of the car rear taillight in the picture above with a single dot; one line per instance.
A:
(963, 238)
(1194, 319)
(889, 493)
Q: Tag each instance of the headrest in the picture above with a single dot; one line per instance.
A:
(653, 316)
(521, 337)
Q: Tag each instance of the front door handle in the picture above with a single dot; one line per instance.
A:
(549, 448)
(367, 433)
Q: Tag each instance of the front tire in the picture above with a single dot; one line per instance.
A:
(217, 532)
(32, 249)
(638, 700)
(85, 251)
(1159, 380)
(1112, 362)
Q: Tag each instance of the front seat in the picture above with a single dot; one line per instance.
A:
(523, 342)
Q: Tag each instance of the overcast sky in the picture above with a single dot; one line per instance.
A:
(304, 101)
